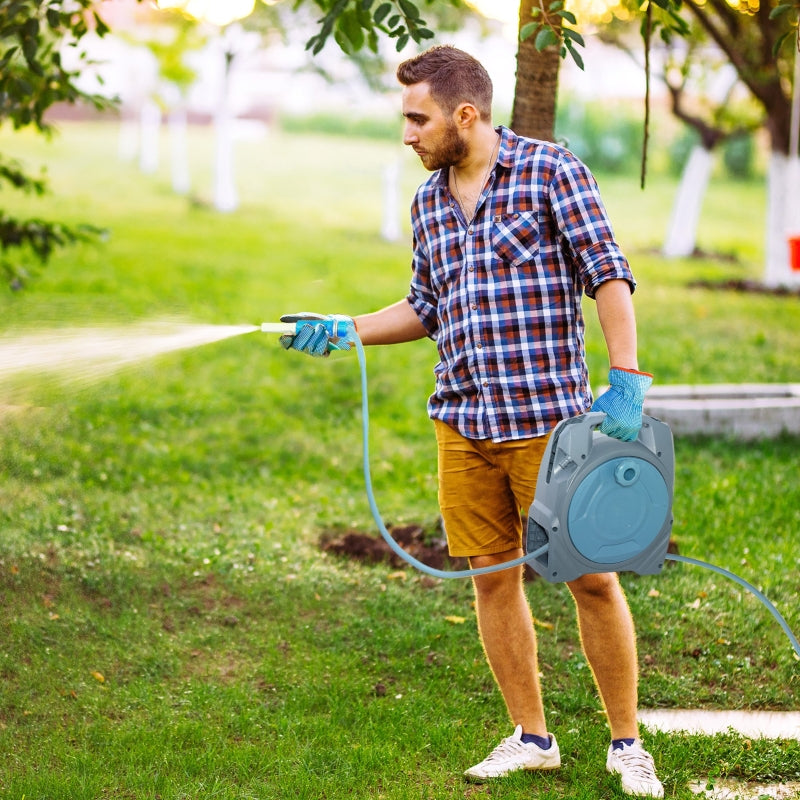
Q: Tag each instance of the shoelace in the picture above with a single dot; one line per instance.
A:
(638, 761)
(507, 748)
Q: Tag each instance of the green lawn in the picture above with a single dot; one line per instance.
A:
(172, 628)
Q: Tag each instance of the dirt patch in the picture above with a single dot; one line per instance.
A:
(416, 540)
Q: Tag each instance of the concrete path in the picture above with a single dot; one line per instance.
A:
(750, 724)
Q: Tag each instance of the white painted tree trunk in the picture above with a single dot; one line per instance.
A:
(783, 203)
(681, 237)
(783, 219)
(150, 123)
(179, 152)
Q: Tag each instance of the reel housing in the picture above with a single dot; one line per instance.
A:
(602, 505)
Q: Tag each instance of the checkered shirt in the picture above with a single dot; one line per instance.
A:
(501, 295)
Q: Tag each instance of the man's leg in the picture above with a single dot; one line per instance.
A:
(509, 640)
(609, 642)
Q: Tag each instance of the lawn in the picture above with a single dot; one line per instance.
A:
(172, 628)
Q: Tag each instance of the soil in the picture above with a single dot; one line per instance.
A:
(415, 540)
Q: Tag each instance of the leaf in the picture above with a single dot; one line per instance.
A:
(528, 30)
(781, 9)
(574, 35)
(454, 620)
(98, 676)
(568, 16)
(545, 38)
(381, 12)
(348, 24)
(409, 9)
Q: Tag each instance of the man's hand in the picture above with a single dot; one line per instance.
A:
(319, 334)
(622, 403)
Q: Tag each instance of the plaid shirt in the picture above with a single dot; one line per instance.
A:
(501, 296)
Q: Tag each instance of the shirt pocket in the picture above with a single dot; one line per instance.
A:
(515, 237)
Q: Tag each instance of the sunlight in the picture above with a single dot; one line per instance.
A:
(217, 12)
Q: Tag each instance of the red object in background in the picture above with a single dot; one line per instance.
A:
(794, 253)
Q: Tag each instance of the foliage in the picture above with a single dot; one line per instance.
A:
(739, 156)
(38, 40)
(355, 24)
(551, 26)
(608, 140)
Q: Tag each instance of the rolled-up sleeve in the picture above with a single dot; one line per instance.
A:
(583, 221)
(421, 298)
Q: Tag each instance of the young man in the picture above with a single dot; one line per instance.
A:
(508, 234)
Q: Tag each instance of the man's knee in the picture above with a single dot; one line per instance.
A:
(595, 587)
(499, 583)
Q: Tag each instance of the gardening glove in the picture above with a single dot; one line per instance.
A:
(319, 334)
(622, 403)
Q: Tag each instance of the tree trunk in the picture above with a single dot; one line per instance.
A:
(534, 111)
(681, 236)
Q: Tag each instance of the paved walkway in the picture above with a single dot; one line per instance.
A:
(753, 724)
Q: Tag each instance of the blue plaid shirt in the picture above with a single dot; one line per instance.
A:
(502, 296)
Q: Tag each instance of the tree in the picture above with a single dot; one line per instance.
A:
(33, 77)
(757, 38)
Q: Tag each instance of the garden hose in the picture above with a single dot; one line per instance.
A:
(528, 558)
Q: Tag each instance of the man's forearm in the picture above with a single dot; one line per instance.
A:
(391, 325)
(618, 321)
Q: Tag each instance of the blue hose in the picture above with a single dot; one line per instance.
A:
(466, 573)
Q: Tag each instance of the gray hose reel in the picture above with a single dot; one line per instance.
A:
(602, 505)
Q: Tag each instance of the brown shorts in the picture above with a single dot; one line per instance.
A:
(484, 489)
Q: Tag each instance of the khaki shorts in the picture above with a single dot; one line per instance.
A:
(485, 488)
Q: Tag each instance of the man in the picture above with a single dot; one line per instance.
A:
(508, 234)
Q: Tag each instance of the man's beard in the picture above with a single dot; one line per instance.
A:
(451, 150)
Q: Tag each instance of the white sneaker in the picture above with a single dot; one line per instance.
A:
(513, 754)
(635, 767)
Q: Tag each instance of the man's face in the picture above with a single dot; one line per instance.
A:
(434, 136)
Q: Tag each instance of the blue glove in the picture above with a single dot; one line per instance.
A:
(622, 403)
(319, 334)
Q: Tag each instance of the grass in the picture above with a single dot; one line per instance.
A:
(171, 627)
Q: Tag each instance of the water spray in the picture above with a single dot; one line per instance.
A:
(601, 505)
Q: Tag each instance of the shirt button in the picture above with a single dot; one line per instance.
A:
(485, 383)
(470, 269)
(479, 346)
(474, 307)
(470, 231)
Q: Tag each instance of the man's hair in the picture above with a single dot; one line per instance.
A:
(454, 77)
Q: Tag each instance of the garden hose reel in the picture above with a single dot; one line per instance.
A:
(601, 504)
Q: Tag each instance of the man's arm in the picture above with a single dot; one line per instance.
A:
(618, 321)
(622, 402)
(391, 325)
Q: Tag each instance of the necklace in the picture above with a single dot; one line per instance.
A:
(492, 158)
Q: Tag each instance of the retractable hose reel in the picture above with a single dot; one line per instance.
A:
(602, 505)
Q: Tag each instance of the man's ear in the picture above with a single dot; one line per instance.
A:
(466, 115)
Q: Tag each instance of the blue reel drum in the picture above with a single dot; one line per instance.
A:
(602, 505)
